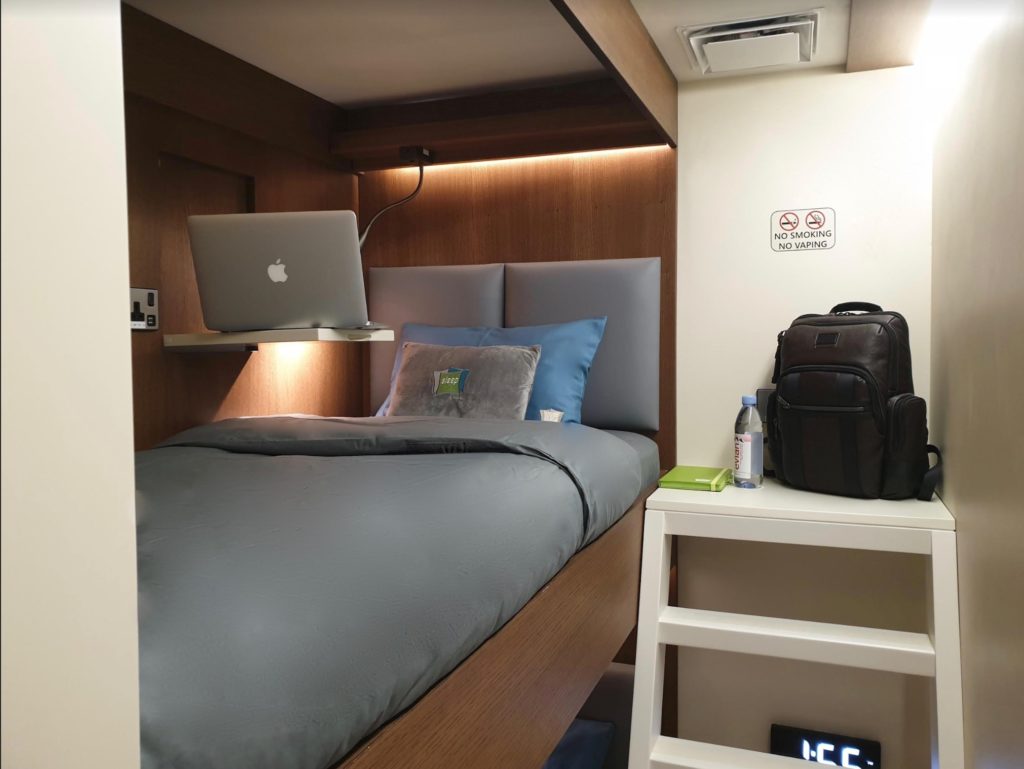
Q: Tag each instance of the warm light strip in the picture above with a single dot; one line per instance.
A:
(584, 154)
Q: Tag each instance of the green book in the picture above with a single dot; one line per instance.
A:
(696, 478)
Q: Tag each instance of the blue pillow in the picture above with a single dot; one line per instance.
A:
(567, 350)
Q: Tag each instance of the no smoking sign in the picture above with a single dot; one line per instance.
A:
(803, 229)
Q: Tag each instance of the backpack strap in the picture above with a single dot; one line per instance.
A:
(933, 477)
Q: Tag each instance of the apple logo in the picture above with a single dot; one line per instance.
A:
(276, 272)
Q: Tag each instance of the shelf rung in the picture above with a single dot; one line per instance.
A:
(672, 753)
(894, 651)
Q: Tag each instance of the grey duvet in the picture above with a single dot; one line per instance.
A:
(304, 580)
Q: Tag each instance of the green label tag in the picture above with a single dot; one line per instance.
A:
(451, 382)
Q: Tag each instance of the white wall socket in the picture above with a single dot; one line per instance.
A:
(144, 306)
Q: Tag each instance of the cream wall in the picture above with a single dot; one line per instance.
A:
(750, 146)
(978, 362)
(69, 670)
(858, 143)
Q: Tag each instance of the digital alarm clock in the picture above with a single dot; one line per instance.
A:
(825, 747)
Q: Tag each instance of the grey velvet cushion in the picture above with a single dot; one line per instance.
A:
(475, 382)
(464, 295)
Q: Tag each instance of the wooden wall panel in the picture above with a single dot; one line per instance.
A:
(601, 205)
(614, 32)
(180, 165)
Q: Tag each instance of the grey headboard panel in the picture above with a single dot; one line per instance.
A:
(622, 390)
(471, 295)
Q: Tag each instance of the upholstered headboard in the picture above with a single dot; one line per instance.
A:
(622, 390)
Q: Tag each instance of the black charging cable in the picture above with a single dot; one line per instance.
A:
(422, 156)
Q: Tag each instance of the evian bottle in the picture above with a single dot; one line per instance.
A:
(748, 449)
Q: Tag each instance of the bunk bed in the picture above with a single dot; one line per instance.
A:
(210, 133)
(305, 580)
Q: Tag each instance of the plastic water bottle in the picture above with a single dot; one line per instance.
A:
(748, 470)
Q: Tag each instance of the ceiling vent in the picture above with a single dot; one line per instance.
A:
(769, 41)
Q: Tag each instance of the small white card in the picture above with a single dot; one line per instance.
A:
(550, 415)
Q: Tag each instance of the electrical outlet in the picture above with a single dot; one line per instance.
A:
(144, 308)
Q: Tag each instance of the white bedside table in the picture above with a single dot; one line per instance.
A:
(777, 513)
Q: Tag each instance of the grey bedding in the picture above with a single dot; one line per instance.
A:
(647, 451)
(304, 580)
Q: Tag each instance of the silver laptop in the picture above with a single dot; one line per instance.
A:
(287, 270)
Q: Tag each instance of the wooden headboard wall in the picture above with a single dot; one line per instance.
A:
(208, 133)
(600, 205)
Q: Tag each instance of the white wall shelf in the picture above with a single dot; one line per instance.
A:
(237, 341)
(777, 513)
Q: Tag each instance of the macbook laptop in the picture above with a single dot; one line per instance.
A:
(282, 270)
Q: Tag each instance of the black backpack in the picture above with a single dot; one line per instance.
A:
(844, 418)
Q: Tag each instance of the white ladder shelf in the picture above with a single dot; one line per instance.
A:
(780, 514)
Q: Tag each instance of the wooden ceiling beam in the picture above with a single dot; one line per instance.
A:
(884, 33)
(615, 34)
(534, 121)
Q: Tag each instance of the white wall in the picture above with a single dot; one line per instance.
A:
(69, 669)
(858, 143)
(978, 355)
(751, 146)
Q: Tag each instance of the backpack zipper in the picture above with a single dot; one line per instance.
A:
(863, 373)
(851, 409)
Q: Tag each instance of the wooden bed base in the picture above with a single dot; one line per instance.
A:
(509, 703)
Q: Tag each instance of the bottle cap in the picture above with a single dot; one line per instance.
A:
(749, 400)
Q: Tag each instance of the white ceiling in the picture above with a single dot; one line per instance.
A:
(355, 52)
(661, 17)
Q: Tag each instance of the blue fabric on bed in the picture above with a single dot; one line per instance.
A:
(584, 746)
(567, 352)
